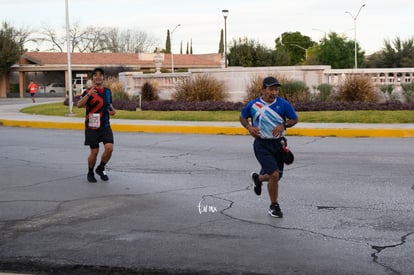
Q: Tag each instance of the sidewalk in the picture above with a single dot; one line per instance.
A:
(10, 115)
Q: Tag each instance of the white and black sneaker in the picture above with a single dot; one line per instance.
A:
(274, 211)
(257, 183)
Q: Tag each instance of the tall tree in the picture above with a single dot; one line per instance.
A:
(338, 52)
(296, 45)
(399, 53)
(168, 43)
(221, 43)
(249, 53)
(375, 60)
(11, 48)
(281, 57)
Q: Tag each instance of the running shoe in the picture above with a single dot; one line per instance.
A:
(101, 172)
(257, 183)
(274, 211)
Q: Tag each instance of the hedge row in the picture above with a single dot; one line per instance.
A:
(173, 105)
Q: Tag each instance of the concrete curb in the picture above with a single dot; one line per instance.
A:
(217, 130)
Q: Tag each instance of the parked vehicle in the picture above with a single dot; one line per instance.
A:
(78, 87)
(55, 87)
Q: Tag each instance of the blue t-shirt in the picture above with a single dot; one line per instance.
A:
(266, 116)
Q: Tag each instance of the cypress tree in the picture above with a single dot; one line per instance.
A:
(168, 43)
(221, 44)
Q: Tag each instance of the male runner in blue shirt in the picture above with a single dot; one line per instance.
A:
(270, 115)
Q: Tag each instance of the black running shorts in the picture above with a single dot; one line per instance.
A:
(94, 137)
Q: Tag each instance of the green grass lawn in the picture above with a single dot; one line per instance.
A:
(59, 109)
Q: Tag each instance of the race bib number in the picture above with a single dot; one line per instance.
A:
(94, 120)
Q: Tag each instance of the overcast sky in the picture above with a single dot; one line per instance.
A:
(201, 21)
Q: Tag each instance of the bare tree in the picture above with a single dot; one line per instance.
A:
(112, 40)
(49, 36)
(98, 39)
(94, 40)
(129, 41)
(77, 35)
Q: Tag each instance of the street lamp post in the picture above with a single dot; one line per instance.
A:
(172, 53)
(355, 31)
(69, 58)
(295, 45)
(225, 14)
(300, 47)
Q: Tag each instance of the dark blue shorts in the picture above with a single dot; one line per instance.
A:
(94, 137)
(269, 154)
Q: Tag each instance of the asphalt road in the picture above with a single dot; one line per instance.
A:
(184, 204)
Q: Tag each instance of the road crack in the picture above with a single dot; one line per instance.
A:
(224, 211)
(378, 249)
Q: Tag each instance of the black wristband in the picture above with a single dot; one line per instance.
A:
(286, 124)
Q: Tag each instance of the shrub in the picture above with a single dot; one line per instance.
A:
(387, 90)
(149, 91)
(357, 87)
(116, 87)
(75, 100)
(200, 88)
(127, 105)
(114, 84)
(254, 88)
(325, 91)
(295, 91)
(119, 95)
(339, 106)
(408, 91)
(173, 105)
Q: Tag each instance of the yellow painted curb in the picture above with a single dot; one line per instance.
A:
(43, 124)
(181, 129)
(217, 130)
(337, 132)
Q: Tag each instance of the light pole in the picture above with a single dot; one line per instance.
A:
(355, 31)
(300, 47)
(225, 14)
(296, 45)
(69, 58)
(172, 54)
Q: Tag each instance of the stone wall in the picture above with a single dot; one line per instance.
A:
(236, 79)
